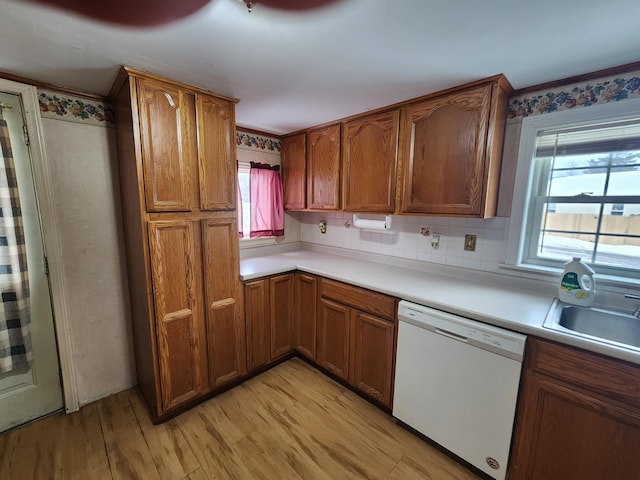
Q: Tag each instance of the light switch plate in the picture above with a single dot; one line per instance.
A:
(470, 243)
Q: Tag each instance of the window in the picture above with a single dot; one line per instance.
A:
(582, 176)
(261, 215)
(243, 183)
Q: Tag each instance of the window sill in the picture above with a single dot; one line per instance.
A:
(545, 273)
(256, 242)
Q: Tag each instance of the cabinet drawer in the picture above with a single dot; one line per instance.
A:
(599, 374)
(360, 298)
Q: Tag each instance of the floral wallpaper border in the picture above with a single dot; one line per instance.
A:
(74, 109)
(250, 141)
(577, 95)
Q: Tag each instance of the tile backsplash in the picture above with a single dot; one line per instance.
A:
(405, 240)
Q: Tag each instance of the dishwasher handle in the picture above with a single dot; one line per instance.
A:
(454, 336)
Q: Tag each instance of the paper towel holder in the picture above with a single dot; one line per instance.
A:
(372, 224)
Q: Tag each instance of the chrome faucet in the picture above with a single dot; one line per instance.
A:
(636, 312)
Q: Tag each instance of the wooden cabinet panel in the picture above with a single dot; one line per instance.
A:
(256, 297)
(450, 150)
(167, 131)
(216, 153)
(177, 163)
(333, 337)
(443, 144)
(568, 427)
(372, 348)
(223, 305)
(360, 298)
(306, 305)
(573, 434)
(369, 161)
(179, 325)
(281, 315)
(323, 168)
(294, 171)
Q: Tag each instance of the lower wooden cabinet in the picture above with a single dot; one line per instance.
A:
(306, 310)
(348, 331)
(269, 317)
(578, 416)
(281, 315)
(182, 352)
(223, 304)
(334, 325)
(372, 346)
(357, 336)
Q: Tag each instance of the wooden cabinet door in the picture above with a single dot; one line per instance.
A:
(306, 308)
(223, 301)
(168, 139)
(180, 332)
(369, 161)
(323, 168)
(566, 432)
(216, 153)
(333, 337)
(442, 147)
(372, 342)
(256, 302)
(294, 171)
(281, 315)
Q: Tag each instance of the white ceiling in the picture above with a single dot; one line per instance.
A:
(292, 71)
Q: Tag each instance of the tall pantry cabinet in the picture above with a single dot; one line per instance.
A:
(176, 151)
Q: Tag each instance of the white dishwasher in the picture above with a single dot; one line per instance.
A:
(457, 383)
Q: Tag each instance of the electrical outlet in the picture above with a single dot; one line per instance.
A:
(470, 243)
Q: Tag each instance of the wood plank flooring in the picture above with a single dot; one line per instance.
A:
(291, 422)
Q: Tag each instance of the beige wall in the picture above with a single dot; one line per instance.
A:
(83, 164)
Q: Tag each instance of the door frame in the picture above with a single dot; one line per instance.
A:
(44, 199)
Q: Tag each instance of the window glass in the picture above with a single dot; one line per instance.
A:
(243, 182)
(585, 196)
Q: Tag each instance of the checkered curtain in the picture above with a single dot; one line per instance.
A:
(15, 341)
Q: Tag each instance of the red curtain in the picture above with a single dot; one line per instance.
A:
(267, 208)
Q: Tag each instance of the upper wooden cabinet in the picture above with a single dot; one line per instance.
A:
(450, 151)
(369, 161)
(323, 168)
(168, 138)
(216, 153)
(294, 171)
(187, 147)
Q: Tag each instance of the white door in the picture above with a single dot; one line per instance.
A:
(33, 391)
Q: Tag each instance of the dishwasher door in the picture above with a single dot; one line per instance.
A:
(457, 383)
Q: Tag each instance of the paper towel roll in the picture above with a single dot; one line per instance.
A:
(372, 224)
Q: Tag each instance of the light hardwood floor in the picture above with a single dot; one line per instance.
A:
(291, 422)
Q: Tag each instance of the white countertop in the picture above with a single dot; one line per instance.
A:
(514, 309)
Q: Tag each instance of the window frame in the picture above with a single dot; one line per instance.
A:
(519, 245)
(248, 242)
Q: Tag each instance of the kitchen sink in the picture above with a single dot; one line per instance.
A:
(608, 326)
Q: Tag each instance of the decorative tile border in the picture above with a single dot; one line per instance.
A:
(584, 94)
(74, 109)
(250, 141)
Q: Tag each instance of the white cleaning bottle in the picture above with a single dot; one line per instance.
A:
(577, 285)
